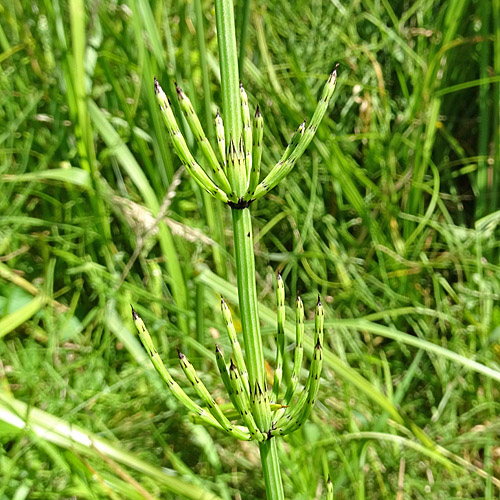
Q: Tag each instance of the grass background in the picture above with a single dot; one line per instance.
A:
(392, 216)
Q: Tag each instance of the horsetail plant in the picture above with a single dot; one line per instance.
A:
(255, 412)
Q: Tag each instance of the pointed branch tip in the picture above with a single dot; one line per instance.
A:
(333, 74)
(179, 353)
(134, 314)
(319, 300)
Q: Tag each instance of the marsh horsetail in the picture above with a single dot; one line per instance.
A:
(253, 411)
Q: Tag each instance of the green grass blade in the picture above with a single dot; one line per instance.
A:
(11, 321)
(55, 430)
(390, 333)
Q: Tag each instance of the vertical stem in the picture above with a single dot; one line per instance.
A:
(243, 34)
(243, 247)
(247, 293)
(228, 60)
(213, 208)
(271, 469)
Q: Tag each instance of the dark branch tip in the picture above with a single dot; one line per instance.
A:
(319, 301)
(134, 314)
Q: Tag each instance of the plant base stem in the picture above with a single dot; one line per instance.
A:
(271, 469)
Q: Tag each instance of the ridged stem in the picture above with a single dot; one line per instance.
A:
(247, 293)
(271, 469)
(228, 60)
(243, 244)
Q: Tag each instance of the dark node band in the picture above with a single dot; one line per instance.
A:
(240, 204)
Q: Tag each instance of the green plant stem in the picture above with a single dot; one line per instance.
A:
(243, 33)
(243, 249)
(271, 469)
(228, 60)
(247, 294)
